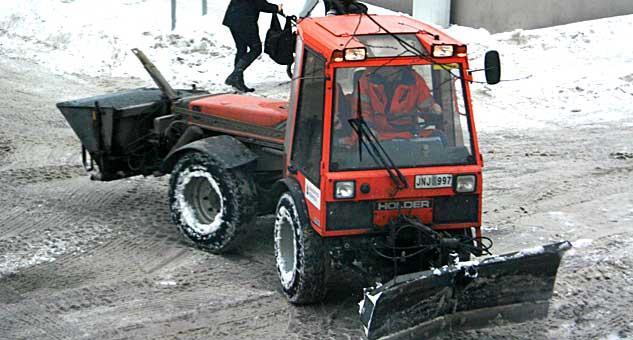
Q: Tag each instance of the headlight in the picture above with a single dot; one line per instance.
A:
(466, 183)
(441, 51)
(345, 189)
(355, 54)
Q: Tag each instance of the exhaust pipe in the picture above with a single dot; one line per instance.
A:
(158, 78)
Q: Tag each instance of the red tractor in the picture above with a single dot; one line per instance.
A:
(373, 164)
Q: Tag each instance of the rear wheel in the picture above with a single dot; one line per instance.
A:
(211, 205)
(300, 254)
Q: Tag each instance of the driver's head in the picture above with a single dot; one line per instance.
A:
(393, 73)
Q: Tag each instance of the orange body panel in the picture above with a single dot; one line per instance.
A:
(327, 34)
(382, 190)
(246, 109)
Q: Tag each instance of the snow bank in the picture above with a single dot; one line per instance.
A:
(94, 38)
(570, 76)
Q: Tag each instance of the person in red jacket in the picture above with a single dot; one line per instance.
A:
(241, 18)
(397, 103)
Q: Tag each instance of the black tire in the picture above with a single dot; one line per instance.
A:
(211, 206)
(300, 254)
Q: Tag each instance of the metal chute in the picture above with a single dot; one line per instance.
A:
(514, 287)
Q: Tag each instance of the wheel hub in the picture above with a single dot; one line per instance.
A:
(200, 201)
(286, 247)
(203, 199)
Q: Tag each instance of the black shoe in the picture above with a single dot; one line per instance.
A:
(242, 88)
(231, 79)
(239, 86)
(236, 79)
(240, 80)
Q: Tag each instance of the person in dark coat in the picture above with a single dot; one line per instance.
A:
(241, 18)
(334, 7)
(340, 7)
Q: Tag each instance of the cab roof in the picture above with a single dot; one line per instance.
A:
(327, 34)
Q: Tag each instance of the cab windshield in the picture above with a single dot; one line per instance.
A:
(417, 113)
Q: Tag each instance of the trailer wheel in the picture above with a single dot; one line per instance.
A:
(300, 254)
(211, 205)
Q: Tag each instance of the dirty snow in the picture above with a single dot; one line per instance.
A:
(168, 283)
(11, 263)
(582, 243)
(530, 251)
(46, 248)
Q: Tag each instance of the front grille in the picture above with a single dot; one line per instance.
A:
(350, 215)
(456, 209)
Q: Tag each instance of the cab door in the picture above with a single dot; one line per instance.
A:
(307, 135)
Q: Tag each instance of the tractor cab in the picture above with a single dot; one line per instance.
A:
(382, 126)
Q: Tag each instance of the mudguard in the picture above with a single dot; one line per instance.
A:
(514, 287)
(228, 151)
(294, 188)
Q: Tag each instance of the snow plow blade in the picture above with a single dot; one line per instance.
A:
(514, 287)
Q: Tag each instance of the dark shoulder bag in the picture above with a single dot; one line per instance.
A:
(279, 44)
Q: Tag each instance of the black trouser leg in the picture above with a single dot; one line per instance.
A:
(251, 40)
(328, 6)
(240, 45)
(244, 40)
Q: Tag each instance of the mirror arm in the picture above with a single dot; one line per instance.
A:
(477, 70)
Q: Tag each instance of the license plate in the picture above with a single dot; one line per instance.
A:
(433, 181)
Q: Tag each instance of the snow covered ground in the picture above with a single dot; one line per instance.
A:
(80, 259)
(567, 76)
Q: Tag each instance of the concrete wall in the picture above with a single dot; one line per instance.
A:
(507, 15)
(433, 11)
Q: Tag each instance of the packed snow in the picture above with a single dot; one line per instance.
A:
(582, 243)
(576, 75)
(530, 251)
(44, 250)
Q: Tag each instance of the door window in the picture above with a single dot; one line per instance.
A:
(308, 132)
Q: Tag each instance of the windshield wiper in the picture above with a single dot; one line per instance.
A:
(368, 139)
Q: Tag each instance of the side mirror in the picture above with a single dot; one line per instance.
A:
(492, 66)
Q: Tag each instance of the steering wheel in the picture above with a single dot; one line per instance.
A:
(411, 121)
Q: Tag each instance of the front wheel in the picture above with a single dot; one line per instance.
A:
(211, 205)
(300, 254)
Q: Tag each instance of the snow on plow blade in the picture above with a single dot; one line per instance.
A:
(514, 287)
